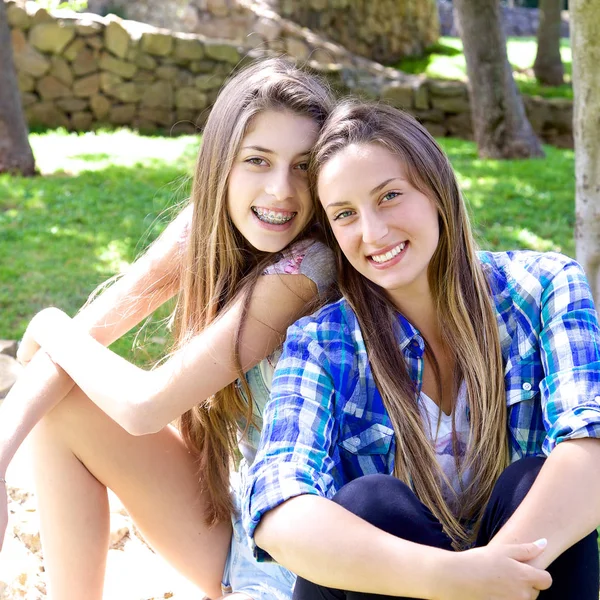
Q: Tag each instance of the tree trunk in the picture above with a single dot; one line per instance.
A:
(585, 42)
(499, 120)
(548, 67)
(15, 151)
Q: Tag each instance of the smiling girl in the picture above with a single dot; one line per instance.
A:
(247, 263)
(450, 400)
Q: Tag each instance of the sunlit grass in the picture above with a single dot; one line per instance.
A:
(445, 60)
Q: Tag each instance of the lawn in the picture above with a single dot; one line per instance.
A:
(445, 60)
(104, 196)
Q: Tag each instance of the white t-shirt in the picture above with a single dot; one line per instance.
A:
(438, 427)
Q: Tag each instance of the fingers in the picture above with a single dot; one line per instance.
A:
(526, 552)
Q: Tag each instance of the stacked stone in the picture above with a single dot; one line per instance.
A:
(83, 71)
(383, 31)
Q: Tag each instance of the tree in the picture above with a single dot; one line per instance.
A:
(585, 43)
(499, 120)
(548, 66)
(15, 151)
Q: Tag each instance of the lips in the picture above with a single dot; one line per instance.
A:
(273, 217)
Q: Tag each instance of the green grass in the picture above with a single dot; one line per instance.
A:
(97, 206)
(445, 60)
(64, 233)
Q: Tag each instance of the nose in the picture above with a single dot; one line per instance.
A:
(374, 227)
(279, 184)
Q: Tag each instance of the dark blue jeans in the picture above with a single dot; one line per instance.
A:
(389, 504)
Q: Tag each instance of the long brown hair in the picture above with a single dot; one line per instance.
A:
(221, 265)
(466, 318)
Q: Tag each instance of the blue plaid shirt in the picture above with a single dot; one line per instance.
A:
(326, 424)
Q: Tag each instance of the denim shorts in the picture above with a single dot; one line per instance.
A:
(243, 573)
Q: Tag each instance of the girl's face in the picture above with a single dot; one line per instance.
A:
(268, 197)
(387, 229)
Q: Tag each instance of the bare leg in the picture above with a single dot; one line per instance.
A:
(79, 452)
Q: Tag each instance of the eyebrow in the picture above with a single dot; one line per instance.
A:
(379, 187)
(376, 189)
(267, 151)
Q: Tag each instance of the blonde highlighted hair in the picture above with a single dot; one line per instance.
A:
(221, 265)
(466, 319)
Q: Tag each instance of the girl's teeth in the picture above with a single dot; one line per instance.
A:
(381, 258)
(270, 216)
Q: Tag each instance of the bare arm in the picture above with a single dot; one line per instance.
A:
(145, 401)
(562, 505)
(147, 285)
(324, 543)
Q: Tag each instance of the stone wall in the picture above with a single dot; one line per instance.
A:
(385, 31)
(83, 71)
(518, 22)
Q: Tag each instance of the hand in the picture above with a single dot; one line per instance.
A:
(29, 346)
(495, 573)
(3, 512)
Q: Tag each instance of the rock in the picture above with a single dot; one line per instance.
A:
(52, 37)
(27, 99)
(72, 105)
(28, 531)
(116, 39)
(121, 114)
(126, 92)
(26, 82)
(108, 81)
(144, 76)
(161, 116)
(202, 66)
(157, 44)
(74, 49)
(46, 114)
(168, 73)
(82, 121)
(9, 371)
(117, 66)
(86, 86)
(61, 70)
(17, 17)
(190, 98)
(9, 347)
(208, 82)
(435, 129)
(222, 52)
(85, 62)
(145, 61)
(456, 104)
(421, 96)
(159, 94)
(447, 89)
(87, 27)
(100, 106)
(188, 49)
(41, 15)
(50, 88)
(27, 59)
(398, 94)
(95, 42)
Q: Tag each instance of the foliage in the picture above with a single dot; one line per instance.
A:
(76, 5)
(445, 60)
(102, 192)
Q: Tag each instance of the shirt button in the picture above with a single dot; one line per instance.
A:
(526, 386)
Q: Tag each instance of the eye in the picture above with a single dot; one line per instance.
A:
(256, 161)
(303, 166)
(390, 196)
(344, 214)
